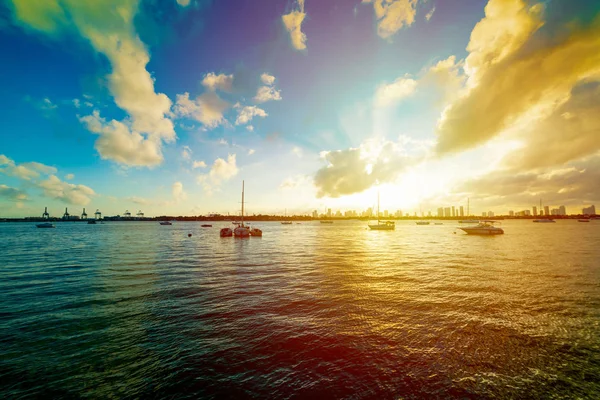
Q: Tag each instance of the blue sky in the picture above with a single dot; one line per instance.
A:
(165, 106)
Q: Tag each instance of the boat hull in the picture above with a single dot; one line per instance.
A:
(483, 231)
(45, 226)
(241, 232)
(382, 227)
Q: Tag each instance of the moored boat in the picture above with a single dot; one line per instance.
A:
(226, 232)
(382, 225)
(423, 222)
(483, 228)
(165, 223)
(583, 220)
(45, 225)
(206, 226)
(544, 220)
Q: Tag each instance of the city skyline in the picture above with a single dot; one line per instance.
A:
(166, 106)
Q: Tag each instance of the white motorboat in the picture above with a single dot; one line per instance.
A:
(165, 223)
(544, 220)
(382, 225)
(45, 225)
(483, 228)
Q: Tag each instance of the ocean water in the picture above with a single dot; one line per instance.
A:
(139, 310)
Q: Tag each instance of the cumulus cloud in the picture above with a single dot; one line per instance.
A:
(246, 113)
(69, 193)
(119, 143)
(222, 170)
(267, 79)
(208, 108)
(251, 151)
(69, 177)
(570, 132)
(389, 94)
(109, 28)
(186, 153)
(357, 169)
(393, 15)
(26, 171)
(250, 128)
(266, 93)
(574, 183)
(178, 193)
(513, 73)
(222, 82)
(199, 164)
(12, 194)
(293, 24)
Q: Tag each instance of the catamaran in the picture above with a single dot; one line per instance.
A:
(382, 225)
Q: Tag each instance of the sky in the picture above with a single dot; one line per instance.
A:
(166, 106)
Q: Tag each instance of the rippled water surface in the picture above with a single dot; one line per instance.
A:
(139, 310)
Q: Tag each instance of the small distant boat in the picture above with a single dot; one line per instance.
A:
(226, 232)
(583, 220)
(165, 223)
(544, 220)
(483, 228)
(286, 222)
(326, 221)
(423, 222)
(45, 225)
(206, 226)
(439, 223)
(469, 221)
(382, 225)
(92, 222)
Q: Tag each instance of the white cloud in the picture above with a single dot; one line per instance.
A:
(222, 82)
(267, 79)
(119, 143)
(207, 108)
(294, 182)
(110, 29)
(178, 193)
(186, 153)
(250, 128)
(389, 94)
(357, 169)
(138, 200)
(293, 24)
(297, 151)
(251, 151)
(222, 170)
(26, 171)
(12, 194)
(393, 15)
(183, 3)
(199, 164)
(76, 103)
(66, 192)
(266, 93)
(246, 113)
(430, 14)
(69, 176)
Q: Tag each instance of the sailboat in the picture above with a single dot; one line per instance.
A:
(382, 225)
(286, 222)
(468, 221)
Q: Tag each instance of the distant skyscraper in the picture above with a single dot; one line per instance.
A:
(546, 210)
(490, 214)
(462, 211)
(385, 214)
(534, 210)
(591, 210)
(562, 210)
(329, 213)
(447, 212)
(315, 214)
(483, 214)
(511, 213)
(453, 212)
(440, 212)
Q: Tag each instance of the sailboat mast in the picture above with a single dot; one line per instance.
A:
(378, 207)
(242, 203)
